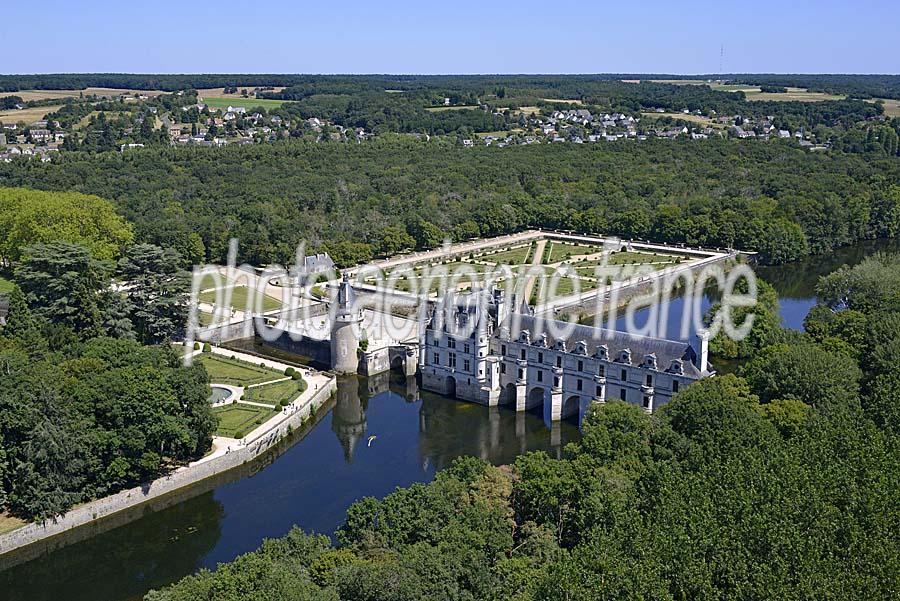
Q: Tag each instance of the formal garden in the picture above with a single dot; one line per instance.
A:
(265, 392)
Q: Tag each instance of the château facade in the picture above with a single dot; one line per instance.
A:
(478, 349)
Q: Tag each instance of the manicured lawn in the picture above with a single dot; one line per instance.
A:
(5, 285)
(561, 251)
(236, 420)
(238, 100)
(512, 256)
(273, 394)
(237, 373)
(239, 299)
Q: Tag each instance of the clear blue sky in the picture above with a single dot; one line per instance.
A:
(459, 36)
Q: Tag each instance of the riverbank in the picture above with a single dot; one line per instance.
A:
(227, 454)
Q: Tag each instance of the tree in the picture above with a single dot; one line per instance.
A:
(156, 290)
(62, 282)
(29, 217)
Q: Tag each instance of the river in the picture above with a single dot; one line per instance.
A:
(376, 434)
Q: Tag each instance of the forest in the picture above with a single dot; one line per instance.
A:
(778, 482)
(93, 399)
(360, 201)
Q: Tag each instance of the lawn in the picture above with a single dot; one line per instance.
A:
(237, 420)
(238, 100)
(273, 394)
(698, 119)
(512, 256)
(562, 251)
(239, 299)
(5, 285)
(225, 370)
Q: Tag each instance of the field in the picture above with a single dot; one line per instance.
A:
(27, 95)
(220, 92)
(237, 420)
(239, 300)
(275, 393)
(562, 100)
(891, 106)
(438, 109)
(793, 94)
(224, 370)
(28, 115)
(698, 119)
(237, 100)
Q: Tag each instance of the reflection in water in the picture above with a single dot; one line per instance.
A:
(314, 480)
(383, 434)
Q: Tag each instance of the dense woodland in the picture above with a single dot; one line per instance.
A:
(87, 409)
(776, 483)
(357, 201)
(860, 86)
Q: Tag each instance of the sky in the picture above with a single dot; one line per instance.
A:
(461, 36)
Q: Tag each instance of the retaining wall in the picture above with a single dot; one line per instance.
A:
(180, 478)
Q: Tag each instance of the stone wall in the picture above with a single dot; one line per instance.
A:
(180, 478)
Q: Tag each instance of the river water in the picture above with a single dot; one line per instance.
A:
(376, 434)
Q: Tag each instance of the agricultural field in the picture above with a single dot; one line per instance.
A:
(562, 100)
(27, 95)
(891, 106)
(237, 420)
(439, 109)
(698, 119)
(28, 115)
(220, 92)
(224, 370)
(793, 94)
(237, 100)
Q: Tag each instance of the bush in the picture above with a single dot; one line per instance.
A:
(296, 375)
(290, 371)
(196, 346)
(207, 348)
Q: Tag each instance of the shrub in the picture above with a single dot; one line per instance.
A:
(296, 375)
(289, 371)
(207, 348)
(196, 346)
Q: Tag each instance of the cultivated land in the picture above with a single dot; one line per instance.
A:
(220, 92)
(438, 109)
(29, 114)
(752, 92)
(891, 106)
(698, 119)
(27, 95)
(238, 100)
(236, 373)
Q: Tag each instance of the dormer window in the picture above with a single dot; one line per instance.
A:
(581, 347)
(650, 361)
(561, 345)
(625, 356)
(602, 352)
(677, 367)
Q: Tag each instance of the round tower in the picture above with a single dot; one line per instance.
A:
(345, 330)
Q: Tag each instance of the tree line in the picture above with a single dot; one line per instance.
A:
(393, 193)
